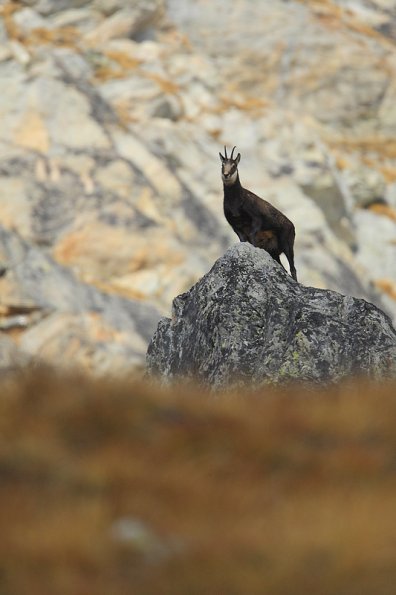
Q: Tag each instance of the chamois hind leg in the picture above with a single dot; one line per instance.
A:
(288, 250)
(275, 256)
(268, 241)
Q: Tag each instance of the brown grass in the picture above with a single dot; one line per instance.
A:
(278, 492)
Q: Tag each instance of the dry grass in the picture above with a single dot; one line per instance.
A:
(110, 488)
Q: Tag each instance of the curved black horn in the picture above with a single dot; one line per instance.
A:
(225, 152)
(232, 152)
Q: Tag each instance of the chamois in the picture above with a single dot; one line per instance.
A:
(253, 219)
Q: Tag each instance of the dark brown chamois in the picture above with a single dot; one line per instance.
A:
(253, 219)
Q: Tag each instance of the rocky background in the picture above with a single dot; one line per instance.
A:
(112, 115)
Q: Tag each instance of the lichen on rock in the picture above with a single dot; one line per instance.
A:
(248, 322)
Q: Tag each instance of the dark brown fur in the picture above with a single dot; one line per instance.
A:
(253, 219)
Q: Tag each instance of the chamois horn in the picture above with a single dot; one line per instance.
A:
(232, 152)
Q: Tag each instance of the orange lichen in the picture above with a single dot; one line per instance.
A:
(388, 286)
(6, 12)
(107, 72)
(117, 66)
(337, 17)
(123, 111)
(372, 145)
(166, 85)
(124, 60)
(388, 172)
(61, 36)
(114, 288)
(341, 162)
(383, 210)
(246, 103)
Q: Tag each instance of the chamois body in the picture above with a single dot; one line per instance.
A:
(255, 220)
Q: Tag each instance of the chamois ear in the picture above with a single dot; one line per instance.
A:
(222, 159)
(238, 158)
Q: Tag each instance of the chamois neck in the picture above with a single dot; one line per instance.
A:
(234, 189)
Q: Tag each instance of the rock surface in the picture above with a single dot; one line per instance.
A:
(54, 317)
(112, 115)
(248, 322)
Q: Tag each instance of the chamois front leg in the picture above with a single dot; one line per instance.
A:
(256, 226)
(241, 236)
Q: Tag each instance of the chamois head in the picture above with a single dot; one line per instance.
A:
(229, 167)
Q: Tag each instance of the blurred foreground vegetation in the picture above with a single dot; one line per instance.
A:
(117, 487)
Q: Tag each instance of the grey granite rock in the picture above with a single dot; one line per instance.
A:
(47, 7)
(44, 284)
(66, 321)
(248, 322)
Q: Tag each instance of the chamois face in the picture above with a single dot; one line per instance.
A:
(229, 168)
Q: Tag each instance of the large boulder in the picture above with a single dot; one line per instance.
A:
(248, 322)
